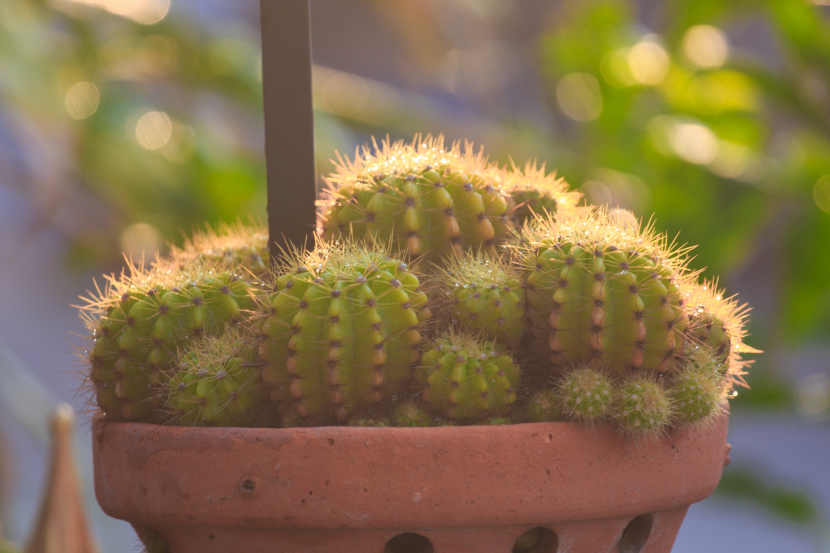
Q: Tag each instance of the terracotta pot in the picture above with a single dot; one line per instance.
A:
(347, 489)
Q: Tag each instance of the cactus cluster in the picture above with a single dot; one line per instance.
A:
(543, 311)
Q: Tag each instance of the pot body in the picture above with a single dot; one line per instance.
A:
(352, 489)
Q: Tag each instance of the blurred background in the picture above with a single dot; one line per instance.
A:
(125, 124)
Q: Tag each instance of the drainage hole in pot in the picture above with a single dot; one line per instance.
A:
(635, 535)
(537, 540)
(247, 485)
(408, 543)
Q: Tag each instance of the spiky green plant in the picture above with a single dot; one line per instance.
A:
(536, 193)
(465, 378)
(233, 247)
(141, 318)
(544, 405)
(642, 407)
(603, 293)
(699, 386)
(485, 294)
(341, 331)
(585, 395)
(216, 382)
(434, 201)
(411, 414)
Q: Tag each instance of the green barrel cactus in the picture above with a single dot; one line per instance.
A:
(464, 378)
(535, 193)
(642, 407)
(602, 294)
(141, 319)
(216, 382)
(485, 295)
(698, 388)
(434, 202)
(341, 332)
(585, 395)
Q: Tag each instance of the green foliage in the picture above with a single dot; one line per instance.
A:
(783, 501)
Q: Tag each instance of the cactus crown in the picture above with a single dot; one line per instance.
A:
(231, 246)
(536, 192)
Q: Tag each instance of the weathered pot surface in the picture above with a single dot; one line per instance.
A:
(350, 489)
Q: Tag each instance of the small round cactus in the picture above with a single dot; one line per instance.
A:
(486, 295)
(536, 193)
(341, 331)
(433, 201)
(372, 423)
(465, 378)
(642, 407)
(698, 388)
(544, 406)
(602, 294)
(411, 414)
(585, 395)
(217, 383)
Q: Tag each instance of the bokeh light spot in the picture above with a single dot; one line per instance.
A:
(648, 62)
(140, 240)
(82, 100)
(153, 130)
(705, 46)
(579, 96)
(694, 143)
(821, 193)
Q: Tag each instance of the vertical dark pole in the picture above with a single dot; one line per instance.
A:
(289, 121)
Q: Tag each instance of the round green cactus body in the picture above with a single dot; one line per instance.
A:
(585, 395)
(142, 319)
(642, 407)
(486, 296)
(216, 383)
(698, 388)
(410, 414)
(544, 406)
(466, 379)
(429, 201)
(602, 294)
(341, 332)
(535, 193)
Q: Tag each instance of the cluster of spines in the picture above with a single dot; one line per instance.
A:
(233, 247)
(435, 202)
(465, 378)
(485, 294)
(341, 331)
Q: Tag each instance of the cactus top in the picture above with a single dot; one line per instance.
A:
(603, 292)
(231, 247)
(535, 192)
(432, 201)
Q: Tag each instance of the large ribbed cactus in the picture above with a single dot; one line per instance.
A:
(604, 294)
(465, 378)
(485, 294)
(141, 319)
(342, 331)
(433, 201)
(216, 382)
(535, 193)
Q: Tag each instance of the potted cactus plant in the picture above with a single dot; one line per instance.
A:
(464, 361)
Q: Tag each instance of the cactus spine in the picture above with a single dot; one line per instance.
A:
(535, 193)
(233, 247)
(585, 395)
(486, 295)
(544, 406)
(464, 378)
(341, 331)
(642, 407)
(603, 295)
(433, 202)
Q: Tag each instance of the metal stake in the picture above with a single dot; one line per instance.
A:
(289, 122)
